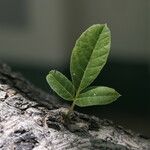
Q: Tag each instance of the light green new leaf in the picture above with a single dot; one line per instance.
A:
(61, 85)
(89, 55)
(97, 96)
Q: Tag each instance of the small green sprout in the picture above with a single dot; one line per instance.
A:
(88, 57)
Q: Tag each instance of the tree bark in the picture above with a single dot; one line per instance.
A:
(32, 119)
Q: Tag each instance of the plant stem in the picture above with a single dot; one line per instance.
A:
(73, 104)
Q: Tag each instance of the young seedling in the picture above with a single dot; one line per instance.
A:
(88, 57)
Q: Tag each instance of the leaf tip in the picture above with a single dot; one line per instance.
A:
(105, 24)
(49, 75)
(119, 95)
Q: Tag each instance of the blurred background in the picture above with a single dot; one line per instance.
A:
(36, 36)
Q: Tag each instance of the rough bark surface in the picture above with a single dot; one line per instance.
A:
(32, 119)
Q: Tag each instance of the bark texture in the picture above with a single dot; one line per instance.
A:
(32, 119)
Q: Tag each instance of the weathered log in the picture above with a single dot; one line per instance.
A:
(32, 119)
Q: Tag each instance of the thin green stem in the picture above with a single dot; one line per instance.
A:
(73, 104)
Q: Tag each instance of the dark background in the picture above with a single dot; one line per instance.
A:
(36, 36)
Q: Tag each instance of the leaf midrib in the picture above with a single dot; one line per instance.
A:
(62, 86)
(88, 62)
(95, 96)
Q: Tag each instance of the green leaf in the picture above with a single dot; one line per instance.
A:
(61, 85)
(89, 55)
(97, 96)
